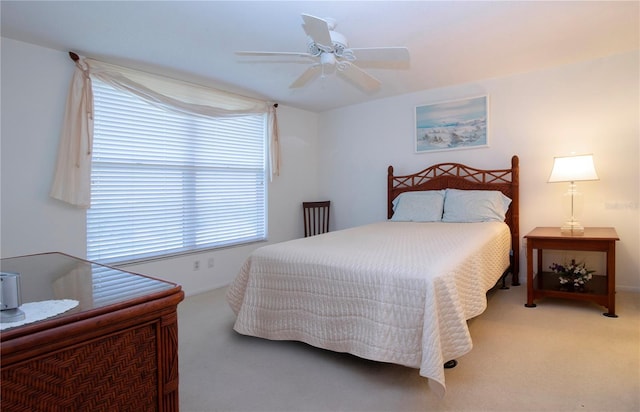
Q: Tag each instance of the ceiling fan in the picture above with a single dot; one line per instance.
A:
(329, 53)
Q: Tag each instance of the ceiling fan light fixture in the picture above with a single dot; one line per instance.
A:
(328, 61)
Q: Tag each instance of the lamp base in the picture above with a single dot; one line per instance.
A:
(11, 315)
(573, 228)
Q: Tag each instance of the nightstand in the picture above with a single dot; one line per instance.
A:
(601, 289)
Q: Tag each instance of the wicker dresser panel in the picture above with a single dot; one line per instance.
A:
(117, 350)
(113, 373)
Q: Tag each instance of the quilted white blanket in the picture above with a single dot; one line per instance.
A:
(398, 292)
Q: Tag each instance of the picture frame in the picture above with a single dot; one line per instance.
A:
(452, 125)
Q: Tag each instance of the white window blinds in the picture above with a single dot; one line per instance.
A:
(165, 183)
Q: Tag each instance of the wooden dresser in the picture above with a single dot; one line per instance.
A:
(116, 351)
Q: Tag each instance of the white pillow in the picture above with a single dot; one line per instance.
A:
(475, 206)
(424, 206)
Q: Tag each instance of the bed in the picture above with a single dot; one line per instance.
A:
(399, 290)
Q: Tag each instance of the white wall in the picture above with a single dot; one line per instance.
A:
(591, 107)
(34, 87)
(343, 155)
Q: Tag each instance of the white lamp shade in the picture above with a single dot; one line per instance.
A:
(573, 169)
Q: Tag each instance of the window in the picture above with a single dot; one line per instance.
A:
(165, 183)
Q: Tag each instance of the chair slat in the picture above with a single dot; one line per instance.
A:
(316, 217)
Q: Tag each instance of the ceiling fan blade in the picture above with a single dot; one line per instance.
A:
(317, 29)
(259, 53)
(360, 78)
(381, 53)
(311, 73)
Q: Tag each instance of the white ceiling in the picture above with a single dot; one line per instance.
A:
(449, 42)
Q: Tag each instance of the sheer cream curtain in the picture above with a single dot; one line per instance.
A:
(72, 179)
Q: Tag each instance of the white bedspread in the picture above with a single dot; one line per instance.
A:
(397, 292)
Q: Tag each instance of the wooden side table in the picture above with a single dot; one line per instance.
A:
(601, 289)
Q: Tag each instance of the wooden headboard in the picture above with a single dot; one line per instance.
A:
(459, 176)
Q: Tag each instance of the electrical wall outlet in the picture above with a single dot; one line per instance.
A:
(196, 265)
(620, 204)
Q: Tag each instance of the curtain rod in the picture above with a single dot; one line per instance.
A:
(75, 58)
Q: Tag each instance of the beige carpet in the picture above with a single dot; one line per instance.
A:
(560, 356)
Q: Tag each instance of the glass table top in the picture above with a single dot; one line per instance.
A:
(54, 276)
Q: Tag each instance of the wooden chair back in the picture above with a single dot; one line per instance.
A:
(316, 217)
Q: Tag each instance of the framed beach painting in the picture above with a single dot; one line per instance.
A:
(456, 124)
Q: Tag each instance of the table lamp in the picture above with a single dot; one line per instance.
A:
(573, 169)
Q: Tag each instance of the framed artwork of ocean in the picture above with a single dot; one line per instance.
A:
(455, 124)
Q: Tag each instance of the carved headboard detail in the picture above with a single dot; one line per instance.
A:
(459, 176)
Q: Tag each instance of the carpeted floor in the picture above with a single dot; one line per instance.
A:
(560, 356)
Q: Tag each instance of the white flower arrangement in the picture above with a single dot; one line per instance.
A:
(574, 274)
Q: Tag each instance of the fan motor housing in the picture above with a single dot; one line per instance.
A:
(337, 47)
(339, 42)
